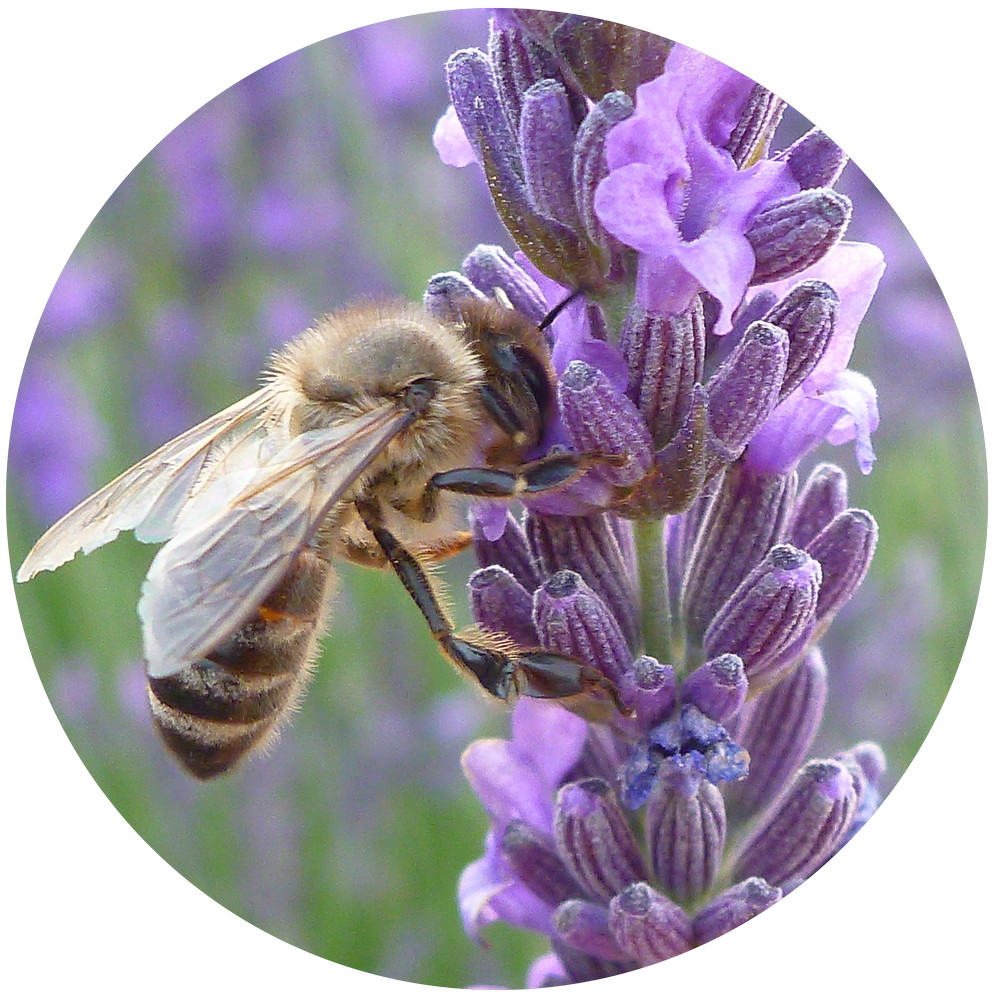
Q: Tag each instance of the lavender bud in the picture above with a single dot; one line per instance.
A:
(871, 760)
(518, 62)
(533, 859)
(867, 764)
(718, 688)
(648, 925)
(601, 419)
(594, 839)
(734, 907)
(685, 832)
(444, 293)
(571, 619)
(501, 604)
(606, 56)
(473, 91)
(679, 469)
(844, 548)
(490, 267)
(778, 729)
(589, 164)
(588, 546)
(556, 250)
(650, 689)
(791, 234)
(752, 136)
(823, 497)
(583, 968)
(769, 615)
(806, 827)
(745, 520)
(509, 550)
(815, 160)
(744, 389)
(584, 925)
(665, 357)
(757, 308)
(547, 138)
(808, 314)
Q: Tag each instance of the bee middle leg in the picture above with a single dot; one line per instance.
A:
(499, 666)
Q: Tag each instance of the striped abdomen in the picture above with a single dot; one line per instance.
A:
(216, 711)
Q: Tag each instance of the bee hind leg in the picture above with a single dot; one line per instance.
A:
(502, 669)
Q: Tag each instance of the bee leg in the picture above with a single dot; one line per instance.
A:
(531, 478)
(501, 669)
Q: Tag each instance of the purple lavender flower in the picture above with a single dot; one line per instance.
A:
(709, 350)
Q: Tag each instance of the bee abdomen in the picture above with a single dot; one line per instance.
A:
(214, 712)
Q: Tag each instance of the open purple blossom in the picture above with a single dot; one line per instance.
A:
(674, 193)
(697, 573)
(832, 403)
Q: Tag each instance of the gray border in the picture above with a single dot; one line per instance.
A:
(88, 89)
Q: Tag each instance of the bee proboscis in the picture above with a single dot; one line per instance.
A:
(369, 429)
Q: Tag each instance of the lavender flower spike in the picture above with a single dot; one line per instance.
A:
(710, 314)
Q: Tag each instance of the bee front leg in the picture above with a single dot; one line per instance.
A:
(497, 664)
(526, 480)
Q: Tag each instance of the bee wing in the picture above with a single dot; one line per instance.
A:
(236, 541)
(147, 497)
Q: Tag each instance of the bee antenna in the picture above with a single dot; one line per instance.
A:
(554, 312)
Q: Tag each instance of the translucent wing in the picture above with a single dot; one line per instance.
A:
(236, 540)
(149, 496)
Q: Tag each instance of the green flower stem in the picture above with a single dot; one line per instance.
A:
(654, 603)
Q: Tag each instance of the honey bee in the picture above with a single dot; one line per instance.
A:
(369, 429)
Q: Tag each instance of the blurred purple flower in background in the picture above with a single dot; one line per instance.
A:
(59, 438)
